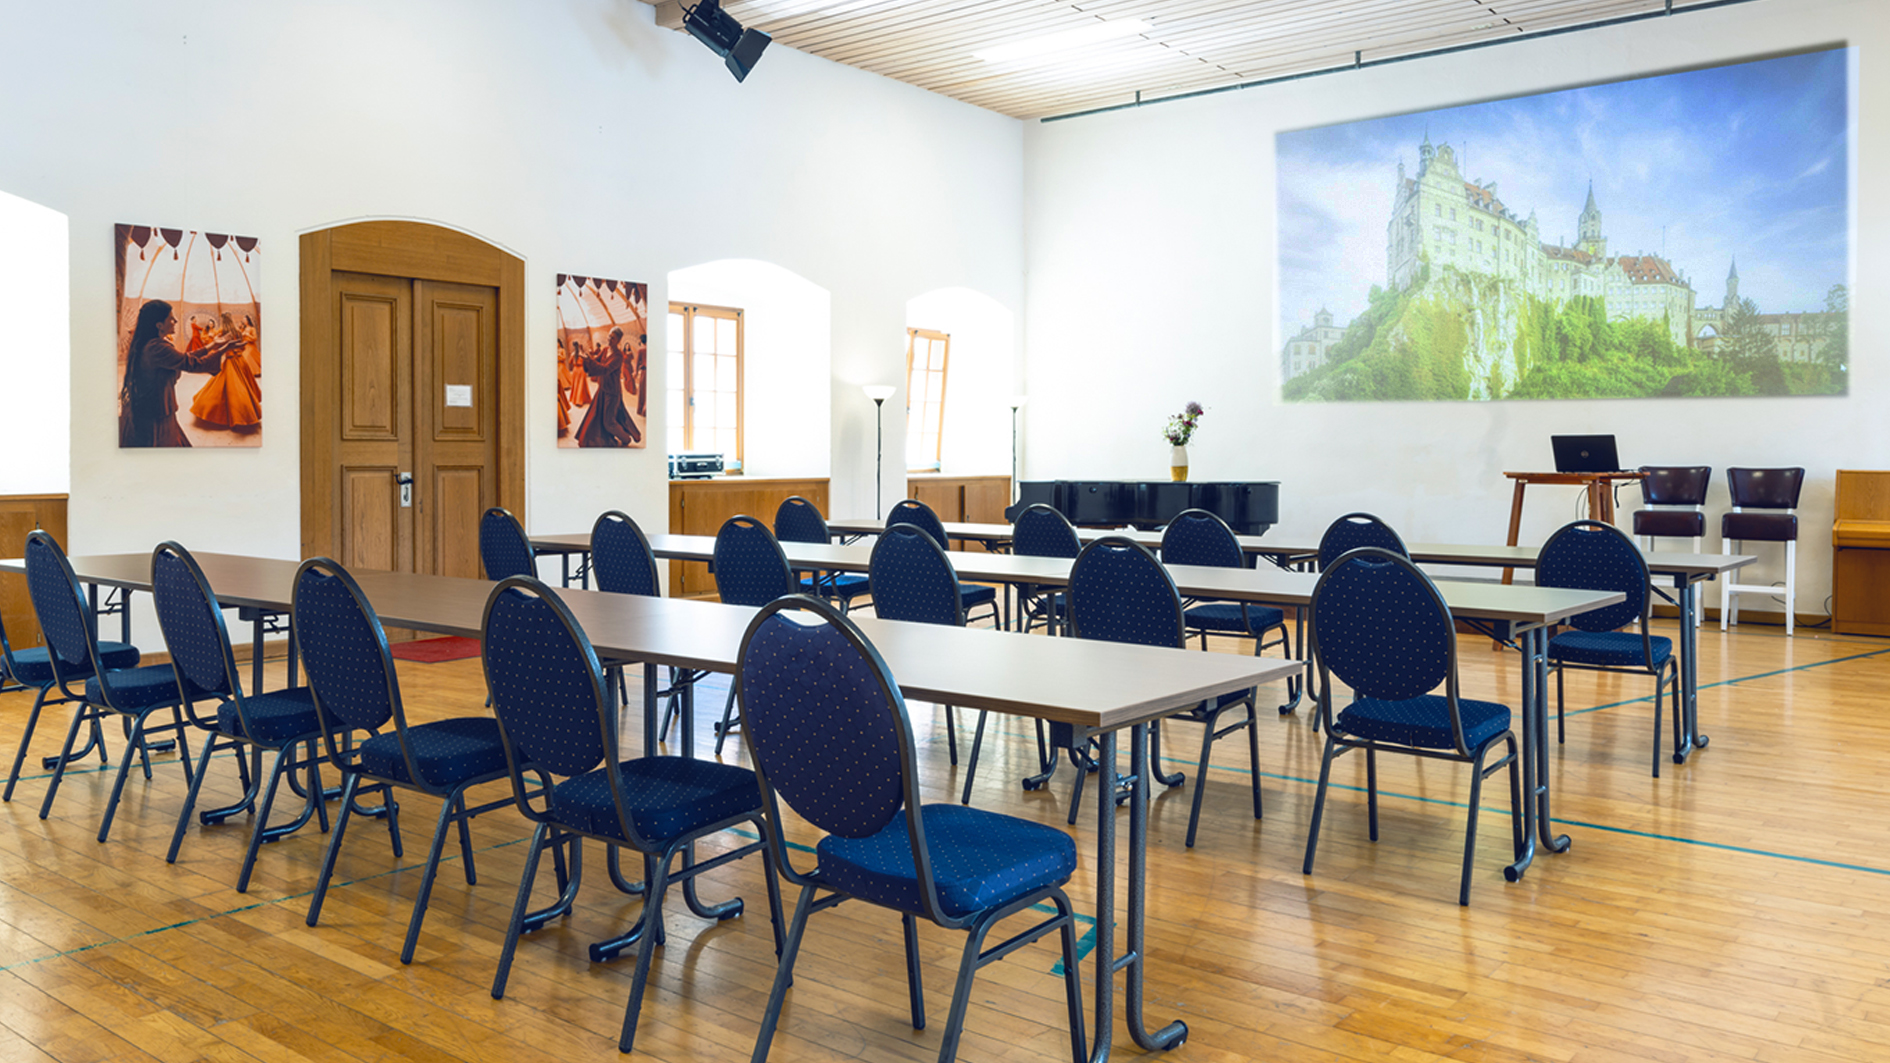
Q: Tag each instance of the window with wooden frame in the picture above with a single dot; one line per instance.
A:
(926, 355)
(705, 381)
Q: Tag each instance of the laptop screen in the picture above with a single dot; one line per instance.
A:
(1585, 454)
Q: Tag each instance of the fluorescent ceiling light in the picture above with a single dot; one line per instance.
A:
(1058, 42)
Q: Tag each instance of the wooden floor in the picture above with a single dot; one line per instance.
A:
(1735, 909)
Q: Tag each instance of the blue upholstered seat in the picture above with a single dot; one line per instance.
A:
(979, 861)
(1381, 626)
(666, 797)
(137, 688)
(449, 752)
(1590, 555)
(33, 665)
(356, 695)
(274, 718)
(797, 520)
(831, 739)
(559, 726)
(1229, 617)
(1423, 721)
(1616, 649)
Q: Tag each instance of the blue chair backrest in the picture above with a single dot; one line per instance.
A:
(1591, 556)
(912, 579)
(344, 648)
(193, 624)
(64, 618)
(750, 568)
(919, 515)
(1041, 531)
(1197, 537)
(621, 561)
(503, 548)
(799, 521)
(1381, 626)
(825, 724)
(1355, 530)
(545, 680)
(1119, 592)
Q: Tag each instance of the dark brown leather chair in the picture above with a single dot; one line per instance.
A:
(1764, 505)
(1679, 492)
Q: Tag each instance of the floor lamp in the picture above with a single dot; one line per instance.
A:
(879, 393)
(1017, 403)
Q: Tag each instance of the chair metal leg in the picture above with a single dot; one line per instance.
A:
(915, 978)
(1072, 980)
(19, 756)
(447, 810)
(1561, 720)
(80, 715)
(348, 787)
(1319, 806)
(784, 974)
(1200, 777)
(652, 934)
(1371, 790)
(464, 819)
(283, 757)
(190, 798)
(951, 736)
(1172, 779)
(134, 741)
(1470, 832)
(1660, 689)
(513, 928)
(1517, 838)
(1253, 751)
(728, 714)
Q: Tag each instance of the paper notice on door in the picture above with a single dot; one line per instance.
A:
(459, 394)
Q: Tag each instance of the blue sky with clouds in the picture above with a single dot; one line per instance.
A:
(1747, 161)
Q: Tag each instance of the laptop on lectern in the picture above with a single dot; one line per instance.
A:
(1585, 454)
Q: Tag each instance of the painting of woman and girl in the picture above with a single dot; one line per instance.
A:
(603, 362)
(189, 351)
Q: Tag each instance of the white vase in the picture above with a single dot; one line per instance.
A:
(1178, 464)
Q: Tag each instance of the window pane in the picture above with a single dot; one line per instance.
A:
(727, 376)
(705, 376)
(675, 410)
(725, 336)
(674, 336)
(705, 334)
(725, 407)
(675, 370)
(934, 387)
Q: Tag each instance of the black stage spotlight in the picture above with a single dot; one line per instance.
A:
(711, 25)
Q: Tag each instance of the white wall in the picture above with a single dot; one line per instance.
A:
(980, 373)
(787, 361)
(35, 353)
(1151, 239)
(574, 133)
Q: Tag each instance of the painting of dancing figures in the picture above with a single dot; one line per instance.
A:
(603, 362)
(189, 338)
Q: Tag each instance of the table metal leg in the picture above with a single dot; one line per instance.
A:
(1688, 702)
(1538, 653)
(650, 710)
(256, 627)
(1527, 853)
(1105, 980)
(1175, 1033)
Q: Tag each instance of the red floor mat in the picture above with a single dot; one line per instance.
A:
(433, 651)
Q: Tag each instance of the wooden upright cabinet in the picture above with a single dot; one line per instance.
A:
(698, 507)
(20, 514)
(963, 499)
(1860, 545)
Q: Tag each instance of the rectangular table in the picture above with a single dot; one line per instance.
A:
(1526, 611)
(1100, 688)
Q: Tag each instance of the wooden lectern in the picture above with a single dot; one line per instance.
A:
(1600, 496)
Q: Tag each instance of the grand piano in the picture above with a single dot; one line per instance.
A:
(1250, 508)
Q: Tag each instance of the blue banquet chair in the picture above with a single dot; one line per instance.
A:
(83, 678)
(369, 741)
(1043, 531)
(830, 738)
(797, 520)
(31, 667)
(558, 726)
(1381, 626)
(914, 581)
(504, 549)
(1353, 531)
(283, 721)
(750, 569)
(919, 515)
(1592, 556)
(623, 563)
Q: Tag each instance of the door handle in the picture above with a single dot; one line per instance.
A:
(405, 480)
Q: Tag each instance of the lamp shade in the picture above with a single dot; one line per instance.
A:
(878, 392)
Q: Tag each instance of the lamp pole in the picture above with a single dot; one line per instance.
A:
(879, 393)
(1017, 403)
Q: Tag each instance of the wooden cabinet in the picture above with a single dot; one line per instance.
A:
(963, 499)
(1860, 544)
(699, 507)
(20, 514)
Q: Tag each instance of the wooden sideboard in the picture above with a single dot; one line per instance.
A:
(1860, 546)
(20, 514)
(698, 507)
(963, 499)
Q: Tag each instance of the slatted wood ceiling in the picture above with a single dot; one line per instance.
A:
(1190, 45)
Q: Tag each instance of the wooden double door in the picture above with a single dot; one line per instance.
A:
(406, 443)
